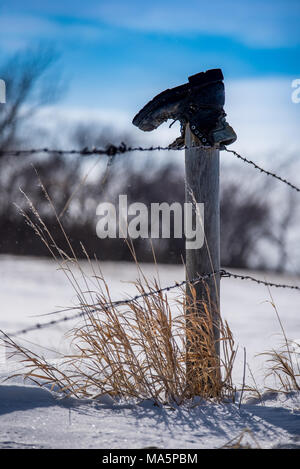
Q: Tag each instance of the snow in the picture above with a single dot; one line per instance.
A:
(34, 417)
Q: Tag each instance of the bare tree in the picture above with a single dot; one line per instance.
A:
(31, 81)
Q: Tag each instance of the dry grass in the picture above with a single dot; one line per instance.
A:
(284, 367)
(137, 350)
(283, 364)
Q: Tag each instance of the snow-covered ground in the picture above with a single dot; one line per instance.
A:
(31, 417)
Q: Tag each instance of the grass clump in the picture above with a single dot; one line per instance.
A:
(132, 350)
(283, 365)
(138, 350)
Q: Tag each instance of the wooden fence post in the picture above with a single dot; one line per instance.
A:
(202, 186)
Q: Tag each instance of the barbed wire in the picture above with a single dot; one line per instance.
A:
(111, 304)
(262, 170)
(92, 309)
(112, 150)
(225, 273)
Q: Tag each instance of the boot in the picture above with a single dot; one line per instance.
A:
(199, 102)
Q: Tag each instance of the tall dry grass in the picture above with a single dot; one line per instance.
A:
(283, 364)
(137, 350)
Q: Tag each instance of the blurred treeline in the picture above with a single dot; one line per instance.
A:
(258, 220)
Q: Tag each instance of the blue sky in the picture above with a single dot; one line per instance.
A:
(118, 54)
